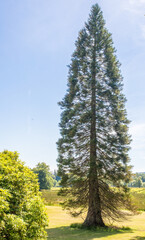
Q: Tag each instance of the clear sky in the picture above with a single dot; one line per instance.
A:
(36, 43)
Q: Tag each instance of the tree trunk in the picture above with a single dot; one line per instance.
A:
(94, 216)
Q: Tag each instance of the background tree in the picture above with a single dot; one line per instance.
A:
(22, 212)
(45, 177)
(137, 182)
(94, 143)
(141, 175)
(56, 177)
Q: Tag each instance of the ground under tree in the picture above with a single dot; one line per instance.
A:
(94, 143)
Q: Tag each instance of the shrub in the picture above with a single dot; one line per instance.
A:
(22, 212)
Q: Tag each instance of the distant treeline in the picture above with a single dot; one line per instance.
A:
(138, 180)
(48, 179)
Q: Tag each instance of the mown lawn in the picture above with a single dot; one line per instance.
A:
(59, 222)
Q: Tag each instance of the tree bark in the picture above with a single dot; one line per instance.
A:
(94, 215)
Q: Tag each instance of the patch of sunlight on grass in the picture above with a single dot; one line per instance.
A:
(59, 222)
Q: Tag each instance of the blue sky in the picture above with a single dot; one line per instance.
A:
(36, 43)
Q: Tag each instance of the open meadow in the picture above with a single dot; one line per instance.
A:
(51, 198)
(60, 221)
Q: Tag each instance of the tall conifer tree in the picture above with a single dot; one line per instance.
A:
(94, 143)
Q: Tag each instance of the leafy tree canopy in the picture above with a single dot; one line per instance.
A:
(45, 178)
(22, 212)
(141, 175)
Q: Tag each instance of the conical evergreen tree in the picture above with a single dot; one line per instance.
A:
(94, 143)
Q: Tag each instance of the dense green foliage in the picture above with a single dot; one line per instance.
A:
(45, 178)
(22, 212)
(94, 143)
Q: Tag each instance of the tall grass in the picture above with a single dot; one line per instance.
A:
(52, 199)
(138, 198)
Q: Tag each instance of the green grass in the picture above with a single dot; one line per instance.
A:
(60, 221)
(138, 197)
(52, 199)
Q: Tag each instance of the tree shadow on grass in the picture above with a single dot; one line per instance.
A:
(138, 238)
(67, 233)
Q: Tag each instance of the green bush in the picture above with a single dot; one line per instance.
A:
(22, 212)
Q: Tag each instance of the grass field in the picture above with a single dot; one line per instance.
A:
(52, 199)
(59, 222)
(138, 197)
